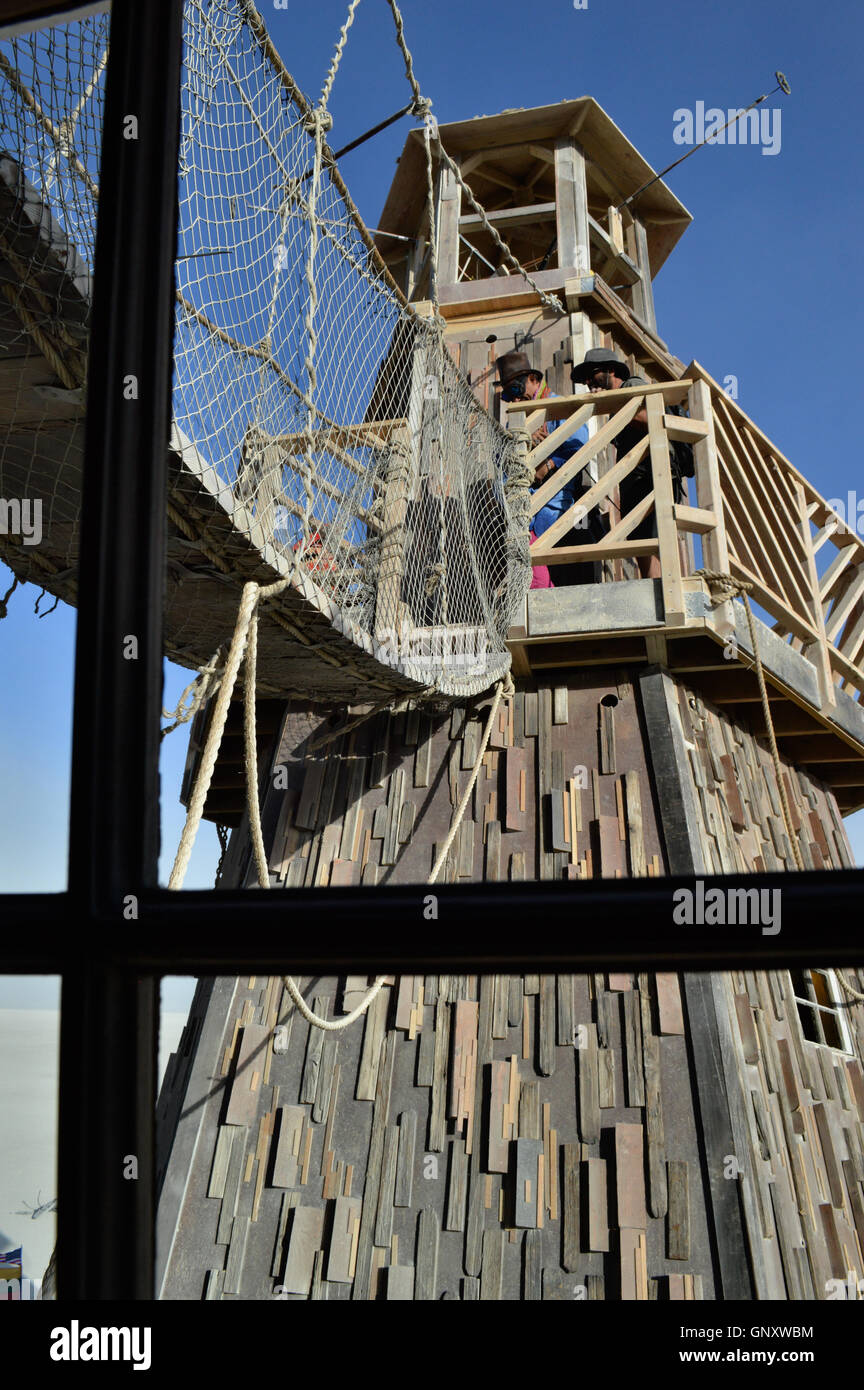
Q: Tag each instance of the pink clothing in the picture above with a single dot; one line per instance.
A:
(540, 576)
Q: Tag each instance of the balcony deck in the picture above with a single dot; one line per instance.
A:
(753, 516)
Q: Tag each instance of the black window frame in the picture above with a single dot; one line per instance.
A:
(115, 932)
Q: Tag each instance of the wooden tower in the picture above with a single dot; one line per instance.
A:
(540, 1137)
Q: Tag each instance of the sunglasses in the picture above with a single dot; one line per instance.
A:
(515, 389)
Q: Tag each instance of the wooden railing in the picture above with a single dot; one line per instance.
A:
(753, 511)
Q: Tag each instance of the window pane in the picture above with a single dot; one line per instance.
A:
(29, 1056)
(506, 1137)
(52, 86)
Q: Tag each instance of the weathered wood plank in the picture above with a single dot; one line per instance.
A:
(346, 1212)
(326, 1073)
(528, 1153)
(669, 1008)
(493, 851)
(457, 1188)
(426, 1266)
(491, 1273)
(654, 1127)
(499, 1131)
(571, 1250)
(245, 1087)
(546, 1049)
(635, 830)
(383, 1085)
(305, 1239)
(566, 1023)
(501, 1006)
(630, 1177)
(532, 1266)
(221, 1159)
(287, 1160)
(239, 1237)
(589, 1092)
(384, 1215)
(598, 1220)
(374, 1027)
(529, 1110)
(438, 1103)
(405, 1161)
(633, 1048)
(678, 1216)
(606, 1078)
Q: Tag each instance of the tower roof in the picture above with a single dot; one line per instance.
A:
(614, 165)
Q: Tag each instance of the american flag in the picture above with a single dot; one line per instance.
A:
(11, 1259)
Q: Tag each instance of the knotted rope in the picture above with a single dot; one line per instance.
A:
(196, 693)
(729, 588)
(245, 640)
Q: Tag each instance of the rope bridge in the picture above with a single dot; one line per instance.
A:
(321, 431)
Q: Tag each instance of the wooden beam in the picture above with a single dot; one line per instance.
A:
(571, 203)
(579, 554)
(590, 499)
(607, 402)
(510, 217)
(449, 222)
(694, 519)
(664, 507)
(821, 748)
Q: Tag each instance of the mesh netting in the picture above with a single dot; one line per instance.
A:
(327, 413)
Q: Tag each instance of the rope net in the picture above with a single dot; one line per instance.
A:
(325, 412)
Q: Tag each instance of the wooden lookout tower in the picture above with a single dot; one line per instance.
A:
(531, 1137)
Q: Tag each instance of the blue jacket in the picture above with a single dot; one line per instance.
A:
(572, 490)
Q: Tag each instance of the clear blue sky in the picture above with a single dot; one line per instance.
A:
(765, 285)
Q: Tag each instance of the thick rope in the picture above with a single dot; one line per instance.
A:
(14, 79)
(245, 639)
(260, 853)
(848, 986)
(729, 587)
(504, 689)
(40, 337)
(197, 692)
(248, 600)
(337, 56)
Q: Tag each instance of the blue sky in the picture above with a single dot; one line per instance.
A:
(765, 285)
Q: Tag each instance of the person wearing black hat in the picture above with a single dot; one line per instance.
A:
(520, 381)
(601, 370)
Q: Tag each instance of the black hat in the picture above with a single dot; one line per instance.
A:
(599, 357)
(513, 364)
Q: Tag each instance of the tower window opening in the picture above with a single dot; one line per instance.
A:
(819, 1000)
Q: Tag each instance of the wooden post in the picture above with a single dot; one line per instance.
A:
(616, 229)
(709, 495)
(643, 293)
(571, 206)
(389, 608)
(449, 209)
(664, 502)
(817, 652)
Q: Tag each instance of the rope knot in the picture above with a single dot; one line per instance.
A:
(724, 583)
(434, 578)
(421, 108)
(318, 120)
